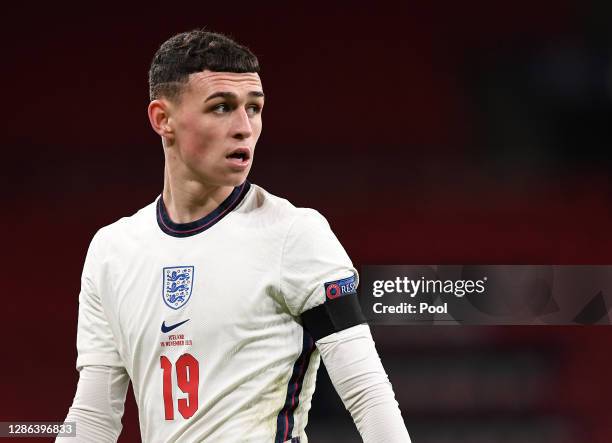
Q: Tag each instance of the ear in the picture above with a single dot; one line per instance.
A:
(159, 115)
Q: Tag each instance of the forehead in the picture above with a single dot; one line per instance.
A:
(208, 82)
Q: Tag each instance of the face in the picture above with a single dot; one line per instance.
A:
(215, 126)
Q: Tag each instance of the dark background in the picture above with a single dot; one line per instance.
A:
(446, 133)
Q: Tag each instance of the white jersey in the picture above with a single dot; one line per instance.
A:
(205, 316)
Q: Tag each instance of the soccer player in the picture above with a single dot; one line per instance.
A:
(218, 299)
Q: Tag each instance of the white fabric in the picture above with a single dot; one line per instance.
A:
(356, 371)
(98, 405)
(255, 272)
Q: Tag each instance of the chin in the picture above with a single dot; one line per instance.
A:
(235, 179)
(235, 183)
(225, 178)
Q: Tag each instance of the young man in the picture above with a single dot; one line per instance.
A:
(218, 299)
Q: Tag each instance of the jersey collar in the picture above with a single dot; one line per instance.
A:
(202, 224)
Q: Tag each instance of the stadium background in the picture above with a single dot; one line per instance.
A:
(455, 132)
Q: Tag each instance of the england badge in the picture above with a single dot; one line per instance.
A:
(177, 285)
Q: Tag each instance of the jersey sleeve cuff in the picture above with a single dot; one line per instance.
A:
(98, 359)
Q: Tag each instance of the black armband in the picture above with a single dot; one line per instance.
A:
(333, 316)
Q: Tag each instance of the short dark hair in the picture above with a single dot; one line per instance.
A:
(195, 51)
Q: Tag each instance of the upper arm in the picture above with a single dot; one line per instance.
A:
(318, 280)
(312, 256)
(95, 339)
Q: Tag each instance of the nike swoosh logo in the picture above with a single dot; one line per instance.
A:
(171, 327)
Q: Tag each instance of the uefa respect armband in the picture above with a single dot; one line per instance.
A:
(341, 309)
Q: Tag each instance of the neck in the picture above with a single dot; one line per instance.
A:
(187, 199)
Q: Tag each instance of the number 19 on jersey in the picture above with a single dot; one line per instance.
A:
(187, 371)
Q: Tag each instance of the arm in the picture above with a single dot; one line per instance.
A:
(360, 379)
(319, 284)
(98, 405)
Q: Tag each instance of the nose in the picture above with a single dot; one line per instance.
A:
(241, 128)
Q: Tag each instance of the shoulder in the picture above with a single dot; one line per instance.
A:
(138, 225)
(273, 210)
(300, 227)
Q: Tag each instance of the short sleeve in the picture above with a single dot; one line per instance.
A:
(312, 256)
(95, 340)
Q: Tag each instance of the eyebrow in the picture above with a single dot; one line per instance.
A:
(231, 95)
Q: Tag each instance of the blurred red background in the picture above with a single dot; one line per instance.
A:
(472, 132)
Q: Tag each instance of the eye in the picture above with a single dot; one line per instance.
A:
(221, 108)
(253, 109)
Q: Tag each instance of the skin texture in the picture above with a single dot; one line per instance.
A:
(199, 132)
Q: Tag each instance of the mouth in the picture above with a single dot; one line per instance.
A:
(239, 158)
(240, 154)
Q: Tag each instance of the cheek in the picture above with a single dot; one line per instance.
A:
(256, 126)
(199, 140)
